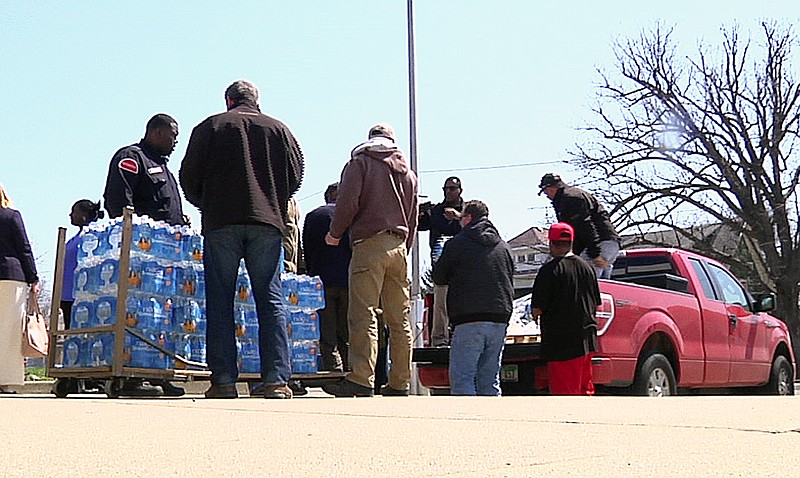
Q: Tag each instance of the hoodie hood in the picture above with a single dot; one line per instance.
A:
(483, 232)
(383, 149)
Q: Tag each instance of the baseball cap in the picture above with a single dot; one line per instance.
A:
(560, 231)
(381, 129)
(549, 179)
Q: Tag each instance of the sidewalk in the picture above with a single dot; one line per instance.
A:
(91, 435)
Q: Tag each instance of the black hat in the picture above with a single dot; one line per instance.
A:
(549, 179)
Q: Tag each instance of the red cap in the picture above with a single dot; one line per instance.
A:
(560, 231)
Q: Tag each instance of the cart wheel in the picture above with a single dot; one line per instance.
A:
(114, 387)
(63, 386)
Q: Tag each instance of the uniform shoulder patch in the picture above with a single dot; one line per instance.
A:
(129, 165)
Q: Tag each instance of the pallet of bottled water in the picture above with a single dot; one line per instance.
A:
(165, 295)
(302, 296)
(166, 302)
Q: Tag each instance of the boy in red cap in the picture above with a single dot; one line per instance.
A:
(565, 298)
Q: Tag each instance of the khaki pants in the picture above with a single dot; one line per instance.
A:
(379, 282)
(440, 331)
(13, 298)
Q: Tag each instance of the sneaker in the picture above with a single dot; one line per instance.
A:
(277, 391)
(346, 388)
(169, 389)
(388, 391)
(137, 388)
(222, 391)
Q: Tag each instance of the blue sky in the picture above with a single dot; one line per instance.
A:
(498, 83)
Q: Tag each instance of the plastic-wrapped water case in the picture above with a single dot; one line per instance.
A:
(303, 325)
(304, 356)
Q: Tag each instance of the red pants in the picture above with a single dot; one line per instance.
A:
(571, 377)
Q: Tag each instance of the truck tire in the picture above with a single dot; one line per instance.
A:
(655, 377)
(781, 380)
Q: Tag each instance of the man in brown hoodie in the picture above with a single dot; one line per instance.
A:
(377, 202)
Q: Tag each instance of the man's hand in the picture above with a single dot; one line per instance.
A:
(330, 240)
(600, 262)
(451, 214)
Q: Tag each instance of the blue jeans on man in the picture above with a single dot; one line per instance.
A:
(260, 247)
(609, 250)
(476, 350)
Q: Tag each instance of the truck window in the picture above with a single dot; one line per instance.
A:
(732, 292)
(705, 281)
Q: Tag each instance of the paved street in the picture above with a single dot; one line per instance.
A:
(91, 435)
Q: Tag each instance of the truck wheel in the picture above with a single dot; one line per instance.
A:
(781, 381)
(655, 377)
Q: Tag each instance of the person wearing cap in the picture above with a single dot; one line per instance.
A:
(377, 204)
(564, 300)
(478, 267)
(240, 169)
(596, 240)
(443, 221)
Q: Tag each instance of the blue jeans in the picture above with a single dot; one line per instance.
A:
(476, 350)
(609, 250)
(260, 247)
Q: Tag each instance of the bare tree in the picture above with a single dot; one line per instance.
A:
(706, 139)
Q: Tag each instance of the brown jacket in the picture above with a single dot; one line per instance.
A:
(377, 192)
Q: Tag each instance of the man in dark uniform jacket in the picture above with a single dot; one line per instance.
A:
(565, 298)
(138, 177)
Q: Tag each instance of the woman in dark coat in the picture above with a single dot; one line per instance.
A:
(17, 279)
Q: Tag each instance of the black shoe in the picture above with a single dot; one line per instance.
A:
(169, 389)
(222, 391)
(137, 388)
(388, 391)
(297, 388)
(346, 388)
(256, 389)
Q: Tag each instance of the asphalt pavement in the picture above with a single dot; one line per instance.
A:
(91, 435)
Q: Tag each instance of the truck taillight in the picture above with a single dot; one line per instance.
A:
(605, 313)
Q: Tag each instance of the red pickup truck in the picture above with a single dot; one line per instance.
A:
(670, 320)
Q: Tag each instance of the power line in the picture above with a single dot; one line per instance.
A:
(505, 166)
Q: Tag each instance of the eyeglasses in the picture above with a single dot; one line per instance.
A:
(450, 188)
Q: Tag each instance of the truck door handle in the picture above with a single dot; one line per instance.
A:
(734, 320)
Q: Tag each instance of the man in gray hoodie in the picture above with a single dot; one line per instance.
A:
(377, 203)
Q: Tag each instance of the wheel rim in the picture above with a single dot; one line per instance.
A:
(783, 381)
(658, 384)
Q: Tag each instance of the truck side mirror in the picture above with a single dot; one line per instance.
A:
(764, 302)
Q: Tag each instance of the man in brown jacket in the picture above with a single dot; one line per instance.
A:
(377, 202)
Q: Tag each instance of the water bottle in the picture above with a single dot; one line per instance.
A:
(72, 352)
(88, 245)
(132, 310)
(192, 247)
(250, 357)
(289, 291)
(108, 276)
(101, 350)
(81, 314)
(105, 311)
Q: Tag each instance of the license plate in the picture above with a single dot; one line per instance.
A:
(509, 373)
